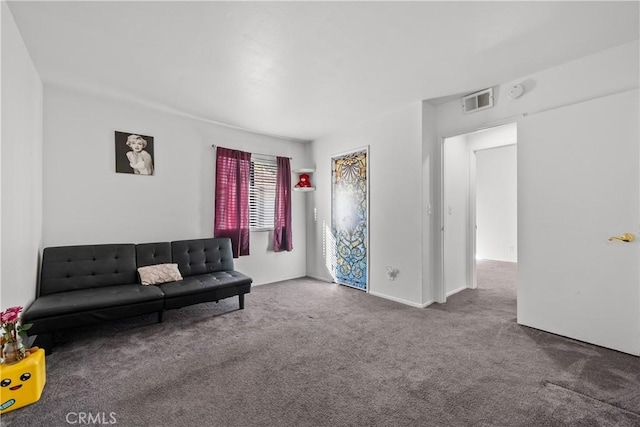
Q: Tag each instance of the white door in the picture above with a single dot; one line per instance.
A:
(579, 185)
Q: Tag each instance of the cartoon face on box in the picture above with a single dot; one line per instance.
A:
(21, 383)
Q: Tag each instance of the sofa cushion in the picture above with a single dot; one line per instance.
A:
(159, 273)
(153, 253)
(71, 268)
(204, 283)
(201, 256)
(90, 299)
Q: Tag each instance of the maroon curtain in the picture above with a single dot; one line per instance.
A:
(232, 198)
(282, 226)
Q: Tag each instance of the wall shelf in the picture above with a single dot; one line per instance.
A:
(307, 171)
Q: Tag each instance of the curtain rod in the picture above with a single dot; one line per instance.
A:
(257, 154)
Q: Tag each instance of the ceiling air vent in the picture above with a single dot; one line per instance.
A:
(478, 101)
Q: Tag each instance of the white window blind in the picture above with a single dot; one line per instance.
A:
(262, 192)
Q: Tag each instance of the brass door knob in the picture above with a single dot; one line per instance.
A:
(626, 237)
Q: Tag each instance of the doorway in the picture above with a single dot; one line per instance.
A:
(479, 204)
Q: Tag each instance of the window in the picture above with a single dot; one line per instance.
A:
(262, 192)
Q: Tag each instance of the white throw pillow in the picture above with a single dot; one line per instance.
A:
(159, 273)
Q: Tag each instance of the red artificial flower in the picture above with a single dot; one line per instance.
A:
(10, 315)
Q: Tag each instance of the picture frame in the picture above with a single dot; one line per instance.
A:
(134, 153)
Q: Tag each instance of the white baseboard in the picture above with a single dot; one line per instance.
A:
(455, 291)
(401, 301)
(322, 279)
(380, 295)
(278, 281)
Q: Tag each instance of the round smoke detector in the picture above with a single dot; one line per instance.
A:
(515, 92)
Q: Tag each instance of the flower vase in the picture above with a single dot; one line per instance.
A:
(13, 351)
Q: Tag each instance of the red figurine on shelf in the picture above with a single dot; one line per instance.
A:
(304, 181)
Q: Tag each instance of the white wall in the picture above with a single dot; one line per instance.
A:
(430, 210)
(21, 168)
(496, 199)
(497, 204)
(395, 185)
(610, 71)
(87, 202)
(456, 214)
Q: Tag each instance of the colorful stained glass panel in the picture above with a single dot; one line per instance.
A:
(349, 218)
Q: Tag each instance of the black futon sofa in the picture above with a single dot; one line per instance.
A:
(82, 285)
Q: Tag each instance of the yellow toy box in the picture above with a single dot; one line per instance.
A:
(21, 383)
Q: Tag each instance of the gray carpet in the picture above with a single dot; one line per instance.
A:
(308, 353)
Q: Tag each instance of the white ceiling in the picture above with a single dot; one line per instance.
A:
(306, 69)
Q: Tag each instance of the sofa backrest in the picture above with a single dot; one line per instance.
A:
(69, 268)
(153, 253)
(202, 256)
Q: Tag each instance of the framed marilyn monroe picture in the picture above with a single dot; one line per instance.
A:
(134, 153)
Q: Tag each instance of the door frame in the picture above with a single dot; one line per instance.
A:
(440, 284)
(472, 281)
(473, 225)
